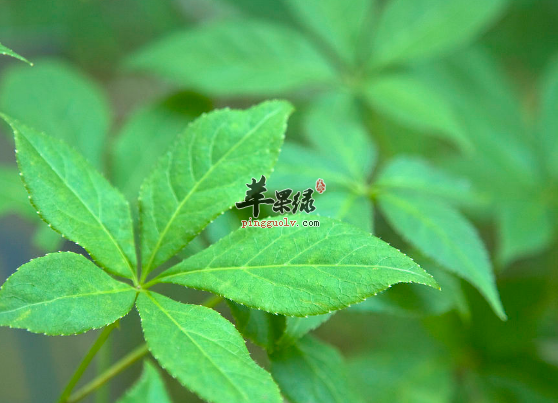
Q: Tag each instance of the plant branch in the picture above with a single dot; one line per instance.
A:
(104, 357)
(85, 362)
(110, 373)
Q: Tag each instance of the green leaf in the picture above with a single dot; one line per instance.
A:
(525, 227)
(203, 351)
(57, 99)
(147, 134)
(444, 235)
(344, 198)
(329, 117)
(297, 271)
(263, 328)
(343, 162)
(415, 174)
(5, 51)
(408, 300)
(299, 167)
(13, 198)
(75, 199)
(355, 209)
(205, 173)
(340, 24)
(243, 57)
(298, 327)
(268, 330)
(149, 389)
(548, 117)
(312, 372)
(409, 101)
(479, 89)
(419, 29)
(62, 293)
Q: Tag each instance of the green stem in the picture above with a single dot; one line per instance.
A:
(212, 301)
(104, 357)
(121, 365)
(151, 283)
(85, 362)
(110, 373)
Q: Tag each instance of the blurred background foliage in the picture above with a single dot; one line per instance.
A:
(447, 108)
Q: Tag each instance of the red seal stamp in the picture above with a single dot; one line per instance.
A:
(320, 186)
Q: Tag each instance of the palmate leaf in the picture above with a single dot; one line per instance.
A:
(63, 293)
(409, 30)
(243, 57)
(203, 351)
(75, 199)
(411, 102)
(149, 389)
(205, 173)
(6, 51)
(444, 235)
(55, 98)
(310, 371)
(505, 167)
(340, 24)
(298, 271)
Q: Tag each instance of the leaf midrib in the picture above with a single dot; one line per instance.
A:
(187, 334)
(293, 266)
(101, 224)
(198, 183)
(68, 297)
(402, 203)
